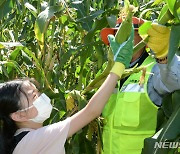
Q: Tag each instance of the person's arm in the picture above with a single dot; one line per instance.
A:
(167, 79)
(95, 105)
(122, 57)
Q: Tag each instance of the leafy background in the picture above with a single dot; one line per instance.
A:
(58, 43)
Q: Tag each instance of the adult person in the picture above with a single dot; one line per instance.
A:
(134, 117)
(23, 110)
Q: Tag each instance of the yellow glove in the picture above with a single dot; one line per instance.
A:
(159, 39)
(118, 69)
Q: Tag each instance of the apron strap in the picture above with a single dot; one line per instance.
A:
(18, 138)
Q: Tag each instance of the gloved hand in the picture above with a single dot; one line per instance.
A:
(122, 53)
(159, 40)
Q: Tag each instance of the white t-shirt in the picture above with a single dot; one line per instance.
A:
(46, 140)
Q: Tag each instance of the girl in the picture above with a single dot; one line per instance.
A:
(23, 110)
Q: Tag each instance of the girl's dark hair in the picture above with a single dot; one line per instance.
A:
(9, 103)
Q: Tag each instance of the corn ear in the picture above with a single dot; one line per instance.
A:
(125, 28)
(70, 103)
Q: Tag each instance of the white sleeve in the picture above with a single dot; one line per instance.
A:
(48, 139)
(168, 78)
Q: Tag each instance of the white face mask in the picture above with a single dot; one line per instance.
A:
(43, 106)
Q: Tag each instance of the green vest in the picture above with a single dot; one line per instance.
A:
(130, 116)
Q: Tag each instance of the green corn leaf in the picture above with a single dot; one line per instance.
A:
(100, 54)
(171, 4)
(66, 56)
(90, 17)
(1, 2)
(174, 42)
(98, 25)
(1, 46)
(9, 45)
(5, 7)
(165, 15)
(42, 23)
(85, 16)
(32, 55)
(170, 123)
(144, 12)
(171, 129)
(38, 65)
(144, 28)
(31, 8)
(8, 20)
(4, 70)
(177, 11)
(156, 2)
(26, 58)
(14, 54)
(12, 63)
(81, 8)
(112, 20)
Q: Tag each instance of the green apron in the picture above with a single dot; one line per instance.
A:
(130, 116)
